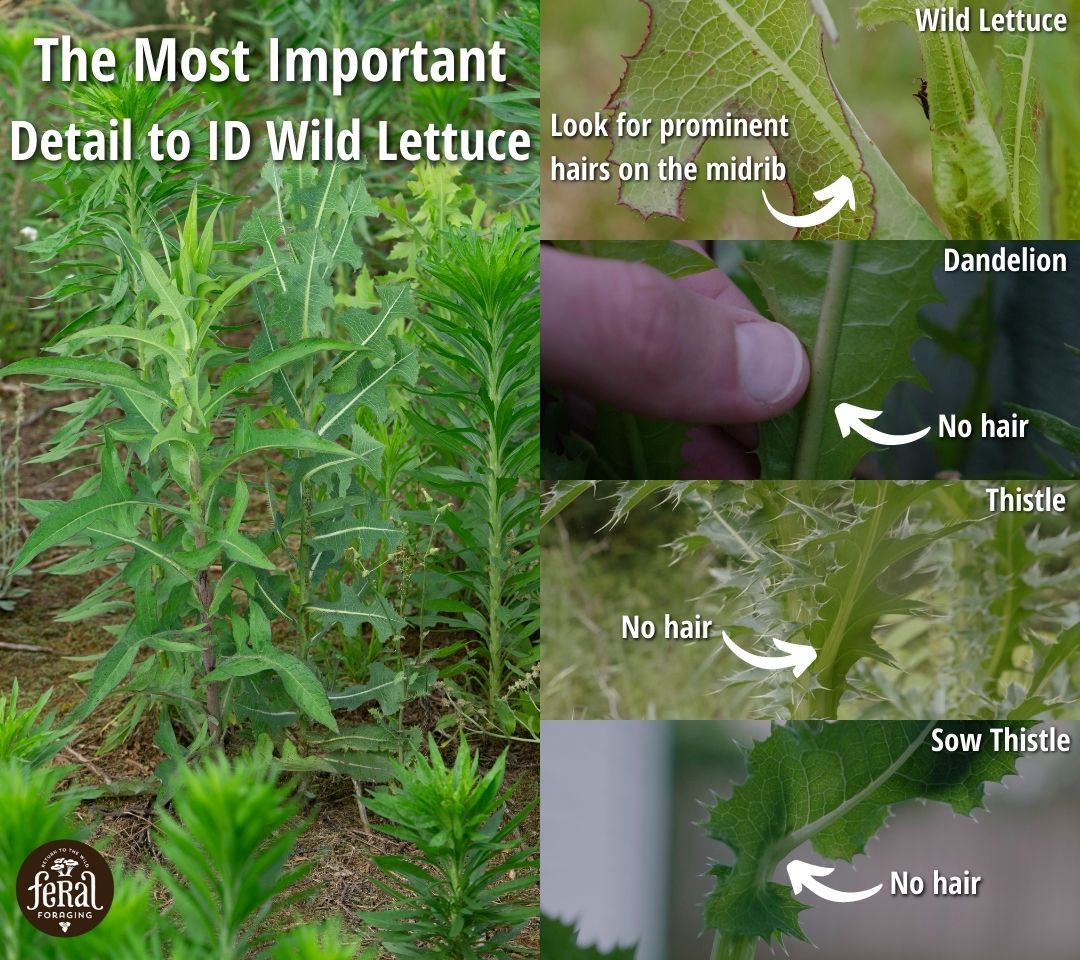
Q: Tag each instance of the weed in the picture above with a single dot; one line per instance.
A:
(451, 904)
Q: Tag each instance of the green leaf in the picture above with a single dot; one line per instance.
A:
(243, 550)
(1015, 55)
(674, 259)
(342, 529)
(559, 941)
(171, 302)
(106, 373)
(1057, 60)
(297, 677)
(855, 308)
(971, 177)
(1050, 656)
(703, 58)
(369, 330)
(340, 413)
(352, 613)
(68, 521)
(899, 215)
(384, 685)
(858, 772)
(238, 508)
(110, 672)
(1053, 428)
(252, 374)
(561, 495)
(854, 593)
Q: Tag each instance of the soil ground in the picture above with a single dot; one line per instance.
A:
(336, 838)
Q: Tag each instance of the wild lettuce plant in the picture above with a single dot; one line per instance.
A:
(480, 416)
(457, 901)
(105, 211)
(170, 499)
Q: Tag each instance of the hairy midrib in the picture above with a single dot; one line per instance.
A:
(842, 137)
(1018, 139)
(776, 851)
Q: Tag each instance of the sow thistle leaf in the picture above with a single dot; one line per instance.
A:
(559, 941)
(369, 330)
(338, 529)
(857, 770)
(298, 309)
(263, 231)
(341, 409)
(855, 309)
(384, 685)
(703, 58)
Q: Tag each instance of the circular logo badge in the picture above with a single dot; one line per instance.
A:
(65, 888)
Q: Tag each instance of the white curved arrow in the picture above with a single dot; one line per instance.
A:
(802, 875)
(850, 417)
(799, 655)
(839, 194)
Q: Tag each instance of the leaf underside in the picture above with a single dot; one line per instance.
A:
(834, 785)
(703, 58)
(887, 284)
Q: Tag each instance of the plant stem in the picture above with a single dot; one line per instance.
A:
(732, 948)
(823, 363)
(637, 449)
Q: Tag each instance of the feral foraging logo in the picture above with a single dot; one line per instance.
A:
(65, 888)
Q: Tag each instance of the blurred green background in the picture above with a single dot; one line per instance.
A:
(582, 48)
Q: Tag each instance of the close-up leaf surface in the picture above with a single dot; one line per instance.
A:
(833, 785)
(855, 309)
(703, 58)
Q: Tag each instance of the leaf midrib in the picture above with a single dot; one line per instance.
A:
(831, 647)
(1018, 138)
(843, 138)
(782, 847)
